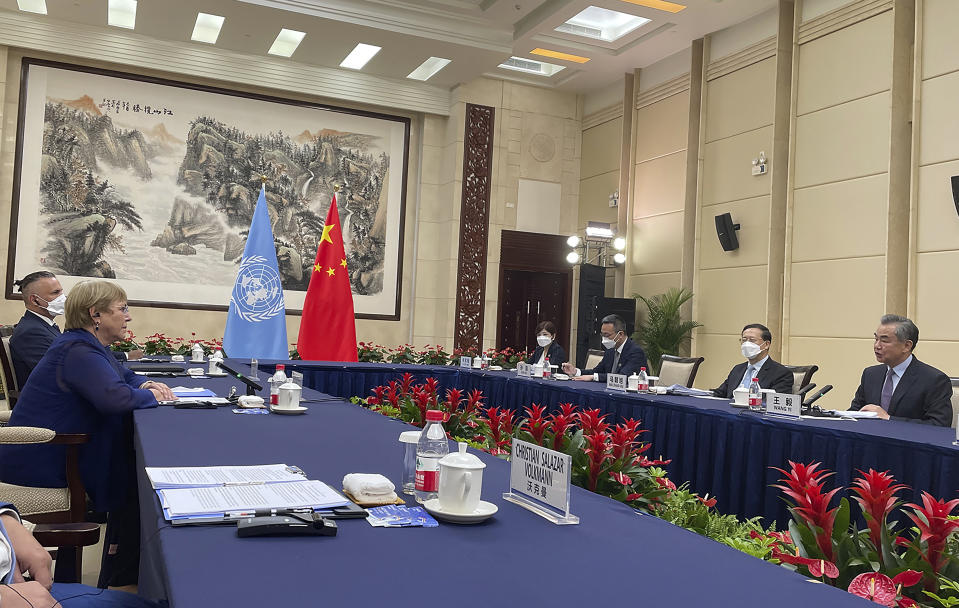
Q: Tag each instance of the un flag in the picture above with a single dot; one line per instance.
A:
(256, 323)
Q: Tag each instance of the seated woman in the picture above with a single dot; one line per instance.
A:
(545, 340)
(79, 387)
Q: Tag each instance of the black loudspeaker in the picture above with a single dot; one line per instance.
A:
(726, 231)
(592, 285)
(955, 192)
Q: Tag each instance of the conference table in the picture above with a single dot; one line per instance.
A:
(720, 450)
(614, 556)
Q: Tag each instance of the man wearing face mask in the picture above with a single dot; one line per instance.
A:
(754, 346)
(623, 356)
(44, 300)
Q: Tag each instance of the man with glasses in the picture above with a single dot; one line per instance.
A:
(902, 387)
(623, 356)
(754, 343)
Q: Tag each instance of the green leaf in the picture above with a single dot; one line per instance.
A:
(840, 527)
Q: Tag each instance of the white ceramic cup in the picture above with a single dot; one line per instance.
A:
(289, 396)
(461, 482)
(741, 396)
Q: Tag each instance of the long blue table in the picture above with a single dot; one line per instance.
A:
(716, 448)
(614, 557)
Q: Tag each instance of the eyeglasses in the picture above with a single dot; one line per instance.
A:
(124, 309)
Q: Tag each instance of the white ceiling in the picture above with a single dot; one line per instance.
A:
(477, 35)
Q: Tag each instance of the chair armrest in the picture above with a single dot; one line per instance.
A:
(70, 438)
(5, 416)
(81, 534)
(11, 435)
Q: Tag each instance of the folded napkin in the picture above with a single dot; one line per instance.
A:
(369, 488)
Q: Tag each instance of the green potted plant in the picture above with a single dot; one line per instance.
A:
(663, 331)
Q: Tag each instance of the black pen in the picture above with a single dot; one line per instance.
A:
(267, 512)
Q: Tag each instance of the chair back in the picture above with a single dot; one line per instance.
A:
(593, 358)
(678, 370)
(802, 375)
(955, 400)
(9, 377)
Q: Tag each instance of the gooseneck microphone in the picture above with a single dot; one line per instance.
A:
(818, 394)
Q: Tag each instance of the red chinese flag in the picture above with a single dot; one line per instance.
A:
(328, 327)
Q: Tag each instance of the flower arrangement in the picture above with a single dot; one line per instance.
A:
(160, 344)
(368, 352)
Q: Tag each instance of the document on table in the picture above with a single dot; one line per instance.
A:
(855, 414)
(193, 502)
(197, 477)
(679, 389)
(192, 391)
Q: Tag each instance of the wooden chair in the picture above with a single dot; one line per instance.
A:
(955, 400)
(678, 370)
(802, 375)
(593, 358)
(9, 377)
(64, 509)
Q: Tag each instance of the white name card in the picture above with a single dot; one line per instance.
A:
(783, 405)
(524, 370)
(466, 361)
(616, 382)
(540, 476)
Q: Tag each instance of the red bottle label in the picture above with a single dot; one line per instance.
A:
(755, 401)
(427, 481)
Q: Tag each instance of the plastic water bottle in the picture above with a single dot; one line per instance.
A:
(642, 385)
(755, 395)
(278, 378)
(546, 369)
(432, 446)
(484, 362)
(254, 364)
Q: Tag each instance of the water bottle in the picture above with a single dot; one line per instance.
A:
(484, 362)
(254, 364)
(642, 385)
(278, 378)
(431, 447)
(546, 370)
(755, 396)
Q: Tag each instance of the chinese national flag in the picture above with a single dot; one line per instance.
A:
(328, 327)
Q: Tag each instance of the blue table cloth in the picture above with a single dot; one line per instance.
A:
(614, 557)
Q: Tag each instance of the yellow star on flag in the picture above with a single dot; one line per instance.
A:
(326, 233)
(317, 267)
(330, 271)
(343, 263)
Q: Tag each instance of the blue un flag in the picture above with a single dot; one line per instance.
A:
(256, 323)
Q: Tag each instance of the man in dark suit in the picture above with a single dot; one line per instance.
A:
(44, 300)
(903, 387)
(754, 343)
(623, 356)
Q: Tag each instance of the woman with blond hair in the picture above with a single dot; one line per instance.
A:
(79, 387)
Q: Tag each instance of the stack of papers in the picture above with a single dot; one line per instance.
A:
(194, 492)
(679, 389)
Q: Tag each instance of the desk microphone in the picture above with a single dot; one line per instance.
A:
(251, 385)
(818, 394)
(802, 392)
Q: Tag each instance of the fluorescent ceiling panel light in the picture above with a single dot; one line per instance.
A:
(602, 24)
(207, 28)
(529, 66)
(286, 42)
(429, 68)
(122, 13)
(660, 5)
(358, 57)
(33, 6)
(599, 230)
(558, 55)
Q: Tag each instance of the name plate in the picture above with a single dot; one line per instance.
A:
(539, 480)
(466, 361)
(784, 405)
(616, 382)
(524, 370)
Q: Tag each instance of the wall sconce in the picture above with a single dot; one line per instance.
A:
(614, 199)
(597, 246)
(759, 164)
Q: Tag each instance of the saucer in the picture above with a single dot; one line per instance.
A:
(496, 368)
(483, 511)
(560, 377)
(289, 411)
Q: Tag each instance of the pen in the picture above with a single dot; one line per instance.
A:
(265, 512)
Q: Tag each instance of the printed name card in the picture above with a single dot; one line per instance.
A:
(466, 361)
(783, 405)
(616, 382)
(539, 480)
(524, 370)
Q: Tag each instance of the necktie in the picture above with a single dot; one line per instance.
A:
(615, 363)
(887, 388)
(749, 376)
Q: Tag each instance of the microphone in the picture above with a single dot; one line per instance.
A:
(251, 386)
(818, 394)
(802, 392)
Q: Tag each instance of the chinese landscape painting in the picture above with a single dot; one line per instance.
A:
(154, 183)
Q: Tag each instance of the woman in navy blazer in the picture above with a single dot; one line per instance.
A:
(546, 340)
(79, 387)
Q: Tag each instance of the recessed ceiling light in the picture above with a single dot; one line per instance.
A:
(122, 13)
(286, 42)
(429, 68)
(33, 6)
(359, 56)
(559, 55)
(662, 5)
(207, 28)
(602, 24)
(530, 66)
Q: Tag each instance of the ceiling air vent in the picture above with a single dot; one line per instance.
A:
(524, 64)
(581, 30)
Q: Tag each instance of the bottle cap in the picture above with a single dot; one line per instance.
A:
(280, 367)
(434, 416)
(642, 369)
(755, 379)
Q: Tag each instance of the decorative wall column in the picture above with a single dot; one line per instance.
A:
(474, 227)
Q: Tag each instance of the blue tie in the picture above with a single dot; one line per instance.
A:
(886, 398)
(748, 377)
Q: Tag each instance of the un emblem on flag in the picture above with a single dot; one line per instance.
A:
(258, 293)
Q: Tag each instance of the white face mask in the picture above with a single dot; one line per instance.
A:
(609, 343)
(56, 306)
(750, 349)
(543, 340)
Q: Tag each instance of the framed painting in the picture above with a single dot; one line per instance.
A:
(153, 183)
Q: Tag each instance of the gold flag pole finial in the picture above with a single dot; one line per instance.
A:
(264, 179)
(336, 187)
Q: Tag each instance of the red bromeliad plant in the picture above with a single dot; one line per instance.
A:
(876, 495)
(804, 485)
(934, 526)
(500, 424)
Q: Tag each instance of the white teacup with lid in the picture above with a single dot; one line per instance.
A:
(289, 397)
(461, 481)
